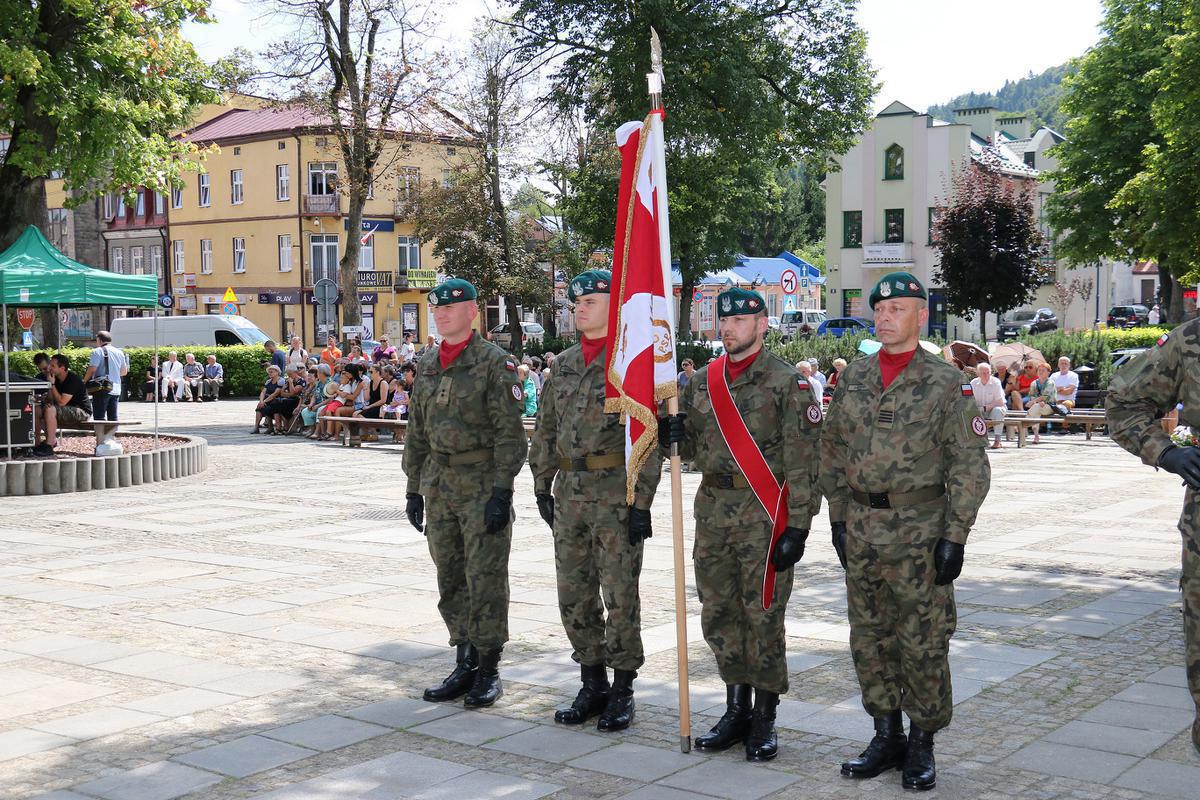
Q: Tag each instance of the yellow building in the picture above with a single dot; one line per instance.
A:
(266, 217)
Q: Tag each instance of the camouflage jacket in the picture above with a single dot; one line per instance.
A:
(1150, 386)
(923, 430)
(777, 407)
(475, 404)
(571, 423)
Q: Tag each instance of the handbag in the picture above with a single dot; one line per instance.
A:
(100, 384)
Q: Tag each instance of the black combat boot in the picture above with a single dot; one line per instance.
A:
(761, 742)
(734, 723)
(459, 681)
(592, 697)
(487, 688)
(886, 750)
(919, 770)
(618, 713)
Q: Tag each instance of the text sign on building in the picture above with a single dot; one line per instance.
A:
(422, 278)
(372, 225)
(894, 251)
(285, 298)
(374, 280)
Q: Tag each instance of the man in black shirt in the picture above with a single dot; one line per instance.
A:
(67, 406)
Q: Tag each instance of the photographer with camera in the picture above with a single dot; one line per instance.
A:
(107, 365)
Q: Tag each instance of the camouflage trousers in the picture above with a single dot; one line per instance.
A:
(900, 628)
(472, 567)
(598, 570)
(733, 535)
(1189, 526)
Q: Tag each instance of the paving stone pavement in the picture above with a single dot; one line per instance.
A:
(265, 629)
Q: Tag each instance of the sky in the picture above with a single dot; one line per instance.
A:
(925, 51)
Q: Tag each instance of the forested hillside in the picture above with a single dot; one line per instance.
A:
(1034, 95)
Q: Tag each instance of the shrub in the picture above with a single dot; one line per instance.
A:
(698, 352)
(1091, 348)
(1119, 339)
(549, 344)
(823, 348)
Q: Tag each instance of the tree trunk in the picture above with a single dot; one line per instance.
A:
(513, 318)
(686, 287)
(22, 203)
(983, 324)
(348, 266)
(1171, 291)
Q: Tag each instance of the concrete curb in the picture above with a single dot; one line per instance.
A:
(22, 478)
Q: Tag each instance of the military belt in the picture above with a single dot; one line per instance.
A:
(736, 480)
(461, 459)
(588, 463)
(897, 499)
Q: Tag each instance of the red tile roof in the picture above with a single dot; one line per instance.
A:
(1145, 268)
(240, 122)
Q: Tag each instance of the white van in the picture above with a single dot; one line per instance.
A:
(207, 330)
(801, 322)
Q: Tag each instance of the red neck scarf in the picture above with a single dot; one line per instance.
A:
(592, 348)
(736, 368)
(448, 352)
(892, 364)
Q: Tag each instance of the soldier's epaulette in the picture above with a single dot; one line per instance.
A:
(1163, 339)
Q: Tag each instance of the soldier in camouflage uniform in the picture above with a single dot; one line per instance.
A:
(1140, 394)
(733, 531)
(905, 471)
(597, 537)
(464, 446)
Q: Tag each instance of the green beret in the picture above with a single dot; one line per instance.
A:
(452, 290)
(897, 284)
(594, 281)
(736, 301)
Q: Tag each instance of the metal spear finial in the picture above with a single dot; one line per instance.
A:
(656, 62)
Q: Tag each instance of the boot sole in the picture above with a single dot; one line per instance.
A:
(468, 704)
(612, 727)
(862, 775)
(581, 721)
(445, 698)
(719, 748)
(761, 757)
(913, 786)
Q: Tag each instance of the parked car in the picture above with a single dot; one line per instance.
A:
(1026, 320)
(772, 324)
(840, 326)
(1128, 316)
(802, 322)
(529, 330)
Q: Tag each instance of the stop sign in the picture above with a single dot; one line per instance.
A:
(25, 317)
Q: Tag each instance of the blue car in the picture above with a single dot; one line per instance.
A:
(840, 326)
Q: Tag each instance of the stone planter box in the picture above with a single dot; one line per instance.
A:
(62, 476)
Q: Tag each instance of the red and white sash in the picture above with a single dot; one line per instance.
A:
(752, 463)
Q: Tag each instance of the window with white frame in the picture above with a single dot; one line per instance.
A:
(446, 177)
(120, 206)
(139, 210)
(283, 182)
(324, 256)
(58, 218)
(135, 260)
(410, 253)
(177, 256)
(117, 261)
(322, 177)
(206, 256)
(366, 252)
(235, 186)
(410, 179)
(205, 194)
(239, 254)
(176, 197)
(110, 205)
(160, 203)
(285, 253)
(156, 259)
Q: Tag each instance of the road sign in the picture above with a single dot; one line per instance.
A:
(229, 297)
(325, 291)
(179, 290)
(27, 339)
(697, 295)
(789, 302)
(787, 281)
(229, 309)
(166, 301)
(804, 282)
(189, 279)
(354, 330)
(25, 318)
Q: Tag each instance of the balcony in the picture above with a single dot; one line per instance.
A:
(405, 208)
(322, 204)
(886, 253)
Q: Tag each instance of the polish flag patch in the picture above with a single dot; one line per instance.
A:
(967, 391)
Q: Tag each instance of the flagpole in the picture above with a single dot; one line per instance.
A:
(659, 166)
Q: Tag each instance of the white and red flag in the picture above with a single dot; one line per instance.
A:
(641, 345)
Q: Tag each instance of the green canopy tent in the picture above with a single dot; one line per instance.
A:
(34, 274)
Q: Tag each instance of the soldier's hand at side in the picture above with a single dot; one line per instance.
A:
(670, 429)
(639, 525)
(414, 509)
(1184, 462)
(789, 548)
(545, 504)
(947, 561)
(497, 513)
(839, 541)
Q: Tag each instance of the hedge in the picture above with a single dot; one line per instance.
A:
(1122, 338)
(244, 375)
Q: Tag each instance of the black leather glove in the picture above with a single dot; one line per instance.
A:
(947, 561)
(498, 511)
(670, 429)
(545, 504)
(639, 525)
(839, 541)
(414, 509)
(789, 548)
(1184, 462)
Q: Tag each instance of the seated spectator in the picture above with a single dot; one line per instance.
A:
(153, 380)
(193, 378)
(315, 399)
(283, 407)
(331, 354)
(343, 403)
(816, 371)
(397, 405)
(1024, 381)
(408, 376)
(989, 396)
(376, 391)
(839, 364)
(1042, 399)
(66, 406)
(41, 366)
(214, 376)
(1008, 381)
(357, 357)
(806, 371)
(172, 378)
(530, 390)
(1066, 387)
(383, 351)
(270, 391)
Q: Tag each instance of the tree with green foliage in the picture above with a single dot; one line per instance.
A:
(1107, 203)
(750, 87)
(93, 91)
(1035, 96)
(989, 247)
(796, 217)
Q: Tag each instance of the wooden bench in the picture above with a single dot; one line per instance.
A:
(1021, 421)
(351, 436)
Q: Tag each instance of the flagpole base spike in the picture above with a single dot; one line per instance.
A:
(685, 744)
